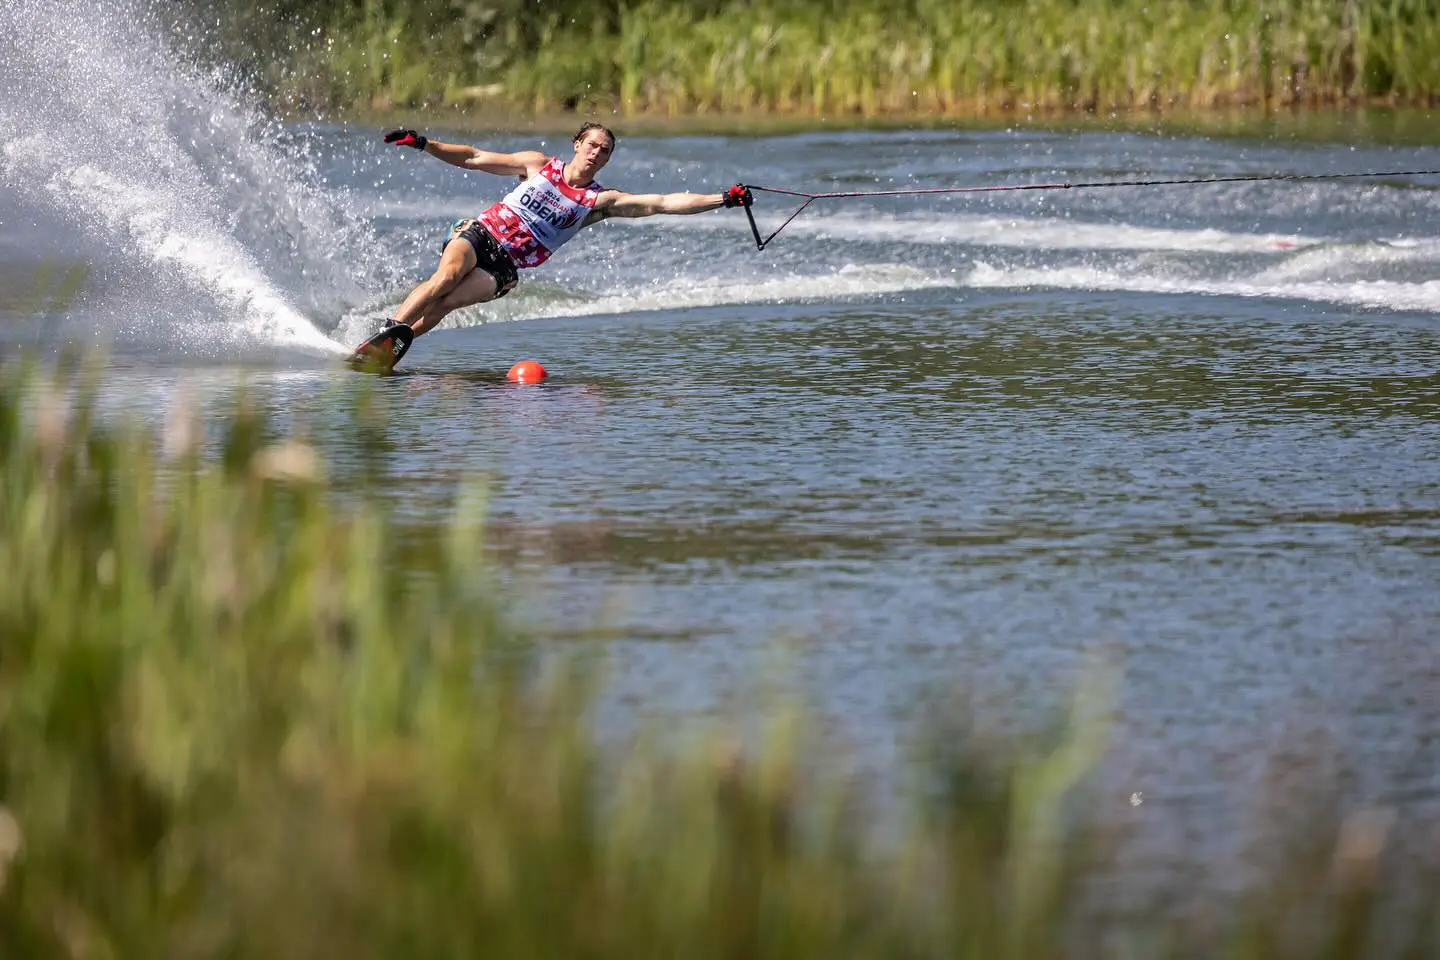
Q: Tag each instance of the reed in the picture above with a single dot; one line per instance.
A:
(234, 723)
(807, 57)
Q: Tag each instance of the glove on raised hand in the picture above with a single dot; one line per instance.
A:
(406, 138)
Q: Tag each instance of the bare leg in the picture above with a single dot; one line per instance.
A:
(477, 286)
(456, 263)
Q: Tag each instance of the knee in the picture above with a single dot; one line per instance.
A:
(445, 279)
(467, 297)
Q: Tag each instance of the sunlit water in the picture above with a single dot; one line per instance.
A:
(937, 443)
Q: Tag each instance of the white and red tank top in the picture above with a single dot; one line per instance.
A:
(539, 215)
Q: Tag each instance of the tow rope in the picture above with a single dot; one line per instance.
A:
(762, 242)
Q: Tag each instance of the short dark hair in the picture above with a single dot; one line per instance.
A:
(586, 128)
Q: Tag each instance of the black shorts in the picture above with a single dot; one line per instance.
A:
(489, 255)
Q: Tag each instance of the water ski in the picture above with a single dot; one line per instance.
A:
(382, 351)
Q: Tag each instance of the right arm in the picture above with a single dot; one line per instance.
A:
(523, 164)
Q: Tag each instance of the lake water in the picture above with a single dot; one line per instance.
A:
(923, 443)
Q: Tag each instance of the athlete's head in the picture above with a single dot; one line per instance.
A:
(587, 129)
(593, 146)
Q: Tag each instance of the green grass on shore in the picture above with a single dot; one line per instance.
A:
(481, 124)
(861, 57)
(232, 724)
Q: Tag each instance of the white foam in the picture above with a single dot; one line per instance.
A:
(424, 208)
(847, 282)
(859, 281)
(163, 165)
(1384, 294)
(1027, 233)
(1322, 262)
(150, 219)
(1046, 234)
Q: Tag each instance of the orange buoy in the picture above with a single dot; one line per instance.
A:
(526, 371)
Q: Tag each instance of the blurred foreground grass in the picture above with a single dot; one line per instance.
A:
(231, 726)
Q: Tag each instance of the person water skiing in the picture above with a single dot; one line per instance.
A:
(553, 202)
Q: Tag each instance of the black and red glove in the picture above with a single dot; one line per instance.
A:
(406, 138)
(738, 196)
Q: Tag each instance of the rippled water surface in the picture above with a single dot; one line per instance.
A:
(938, 442)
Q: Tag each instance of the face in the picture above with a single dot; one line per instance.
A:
(592, 151)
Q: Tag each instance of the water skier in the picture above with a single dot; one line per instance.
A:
(553, 202)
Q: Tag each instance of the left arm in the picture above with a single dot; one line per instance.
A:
(613, 203)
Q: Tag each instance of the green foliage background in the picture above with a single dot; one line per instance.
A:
(812, 57)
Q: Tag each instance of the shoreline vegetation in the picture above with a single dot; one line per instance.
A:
(1340, 123)
(843, 59)
(236, 721)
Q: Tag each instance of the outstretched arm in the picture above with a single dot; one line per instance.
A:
(521, 164)
(613, 203)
